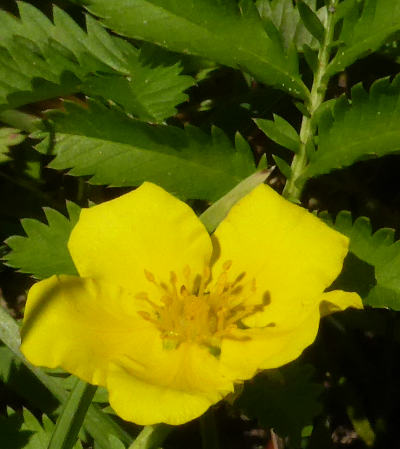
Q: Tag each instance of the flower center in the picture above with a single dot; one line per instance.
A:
(191, 311)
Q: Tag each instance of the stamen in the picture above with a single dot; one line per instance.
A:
(189, 309)
(221, 283)
(226, 265)
(142, 295)
(150, 276)
(204, 280)
(186, 272)
(174, 279)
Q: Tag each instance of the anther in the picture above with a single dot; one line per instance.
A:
(172, 277)
(145, 315)
(142, 295)
(226, 265)
(150, 276)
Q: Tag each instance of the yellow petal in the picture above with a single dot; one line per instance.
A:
(145, 404)
(146, 229)
(79, 325)
(338, 300)
(292, 255)
(173, 387)
(268, 347)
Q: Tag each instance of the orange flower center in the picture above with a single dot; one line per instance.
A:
(198, 311)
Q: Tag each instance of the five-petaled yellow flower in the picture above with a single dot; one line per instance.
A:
(168, 318)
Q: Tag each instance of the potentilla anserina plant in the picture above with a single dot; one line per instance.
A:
(169, 318)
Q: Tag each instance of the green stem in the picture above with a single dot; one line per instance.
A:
(294, 186)
(72, 416)
(209, 431)
(151, 437)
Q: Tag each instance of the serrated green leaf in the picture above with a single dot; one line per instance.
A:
(363, 128)
(116, 150)
(378, 250)
(26, 432)
(311, 20)
(40, 60)
(280, 131)
(43, 252)
(286, 18)
(216, 30)
(151, 94)
(8, 138)
(366, 26)
(284, 399)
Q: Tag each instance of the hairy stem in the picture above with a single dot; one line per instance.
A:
(294, 185)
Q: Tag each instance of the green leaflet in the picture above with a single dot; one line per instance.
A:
(285, 399)
(281, 132)
(365, 127)
(286, 18)
(41, 60)
(366, 26)
(24, 431)
(44, 251)
(8, 138)
(311, 20)
(378, 250)
(218, 30)
(118, 151)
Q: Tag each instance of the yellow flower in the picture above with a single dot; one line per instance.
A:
(169, 319)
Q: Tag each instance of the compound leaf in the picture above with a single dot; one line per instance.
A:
(43, 252)
(365, 127)
(366, 26)
(41, 60)
(119, 151)
(223, 31)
